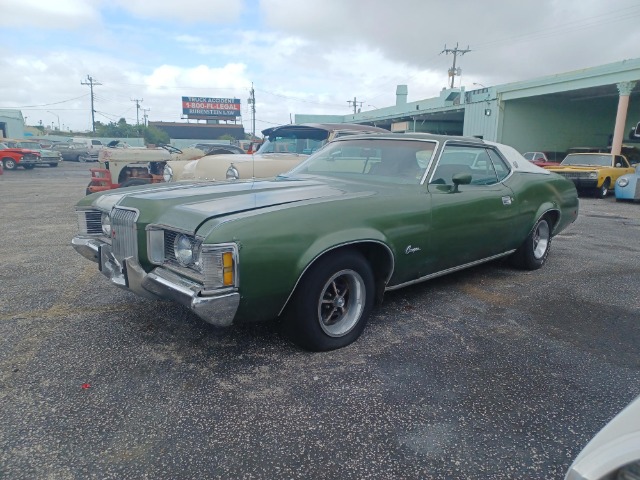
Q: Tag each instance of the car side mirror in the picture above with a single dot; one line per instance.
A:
(460, 179)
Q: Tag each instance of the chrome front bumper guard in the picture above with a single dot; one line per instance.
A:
(218, 310)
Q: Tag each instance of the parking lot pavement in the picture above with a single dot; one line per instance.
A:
(487, 373)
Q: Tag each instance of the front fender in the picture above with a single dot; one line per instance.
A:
(334, 240)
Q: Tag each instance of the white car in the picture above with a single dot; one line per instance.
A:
(284, 147)
(614, 453)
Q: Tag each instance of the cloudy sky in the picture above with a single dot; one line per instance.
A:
(303, 56)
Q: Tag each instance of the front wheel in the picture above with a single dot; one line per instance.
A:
(332, 302)
(9, 164)
(28, 167)
(534, 251)
(603, 190)
(53, 164)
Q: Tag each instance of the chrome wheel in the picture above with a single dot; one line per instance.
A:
(341, 303)
(541, 237)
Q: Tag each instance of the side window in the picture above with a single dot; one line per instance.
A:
(501, 167)
(621, 161)
(458, 159)
(96, 142)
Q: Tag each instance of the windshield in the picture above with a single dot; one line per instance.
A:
(392, 161)
(303, 142)
(587, 159)
(29, 145)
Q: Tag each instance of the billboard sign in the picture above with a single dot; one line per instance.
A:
(211, 108)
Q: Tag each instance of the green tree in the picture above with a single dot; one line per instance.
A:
(154, 135)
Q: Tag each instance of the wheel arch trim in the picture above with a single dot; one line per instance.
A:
(390, 259)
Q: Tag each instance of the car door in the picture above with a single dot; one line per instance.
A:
(470, 222)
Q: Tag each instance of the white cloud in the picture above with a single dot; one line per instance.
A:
(61, 14)
(188, 11)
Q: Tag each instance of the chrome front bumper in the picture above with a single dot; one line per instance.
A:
(160, 283)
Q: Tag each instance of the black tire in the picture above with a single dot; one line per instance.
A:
(80, 159)
(9, 164)
(533, 252)
(53, 164)
(603, 190)
(332, 302)
(28, 167)
(134, 182)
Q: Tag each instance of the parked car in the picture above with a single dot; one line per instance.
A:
(46, 157)
(321, 244)
(614, 453)
(78, 152)
(628, 186)
(593, 172)
(90, 143)
(541, 159)
(125, 166)
(284, 148)
(12, 158)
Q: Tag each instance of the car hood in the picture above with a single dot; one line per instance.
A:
(577, 167)
(21, 150)
(186, 206)
(214, 167)
(135, 154)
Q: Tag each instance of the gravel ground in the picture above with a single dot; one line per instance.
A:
(487, 373)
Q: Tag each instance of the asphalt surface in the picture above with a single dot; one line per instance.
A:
(487, 373)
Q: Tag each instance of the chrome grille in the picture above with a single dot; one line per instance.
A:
(123, 233)
(30, 156)
(169, 240)
(574, 174)
(89, 222)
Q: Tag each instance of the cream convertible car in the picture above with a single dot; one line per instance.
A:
(284, 148)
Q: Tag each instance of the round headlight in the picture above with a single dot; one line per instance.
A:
(232, 173)
(167, 173)
(593, 174)
(183, 250)
(623, 182)
(106, 224)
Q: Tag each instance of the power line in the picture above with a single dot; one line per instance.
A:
(137, 100)
(355, 104)
(49, 104)
(90, 81)
(453, 71)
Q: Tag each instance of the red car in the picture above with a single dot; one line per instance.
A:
(12, 158)
(544, 159)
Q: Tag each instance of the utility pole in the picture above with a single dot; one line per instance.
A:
(252, 101)
(137, 100)
(144, 116)
(453, 71)
(91, 82)
(355, 104)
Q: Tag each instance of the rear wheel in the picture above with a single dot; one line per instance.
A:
(81, 158)
(9, 163)
(603, 190)
(532, 254)
(332, 302)
(53, 164)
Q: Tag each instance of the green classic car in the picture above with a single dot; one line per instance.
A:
(319, 246)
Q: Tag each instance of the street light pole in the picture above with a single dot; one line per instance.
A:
(58, 117)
